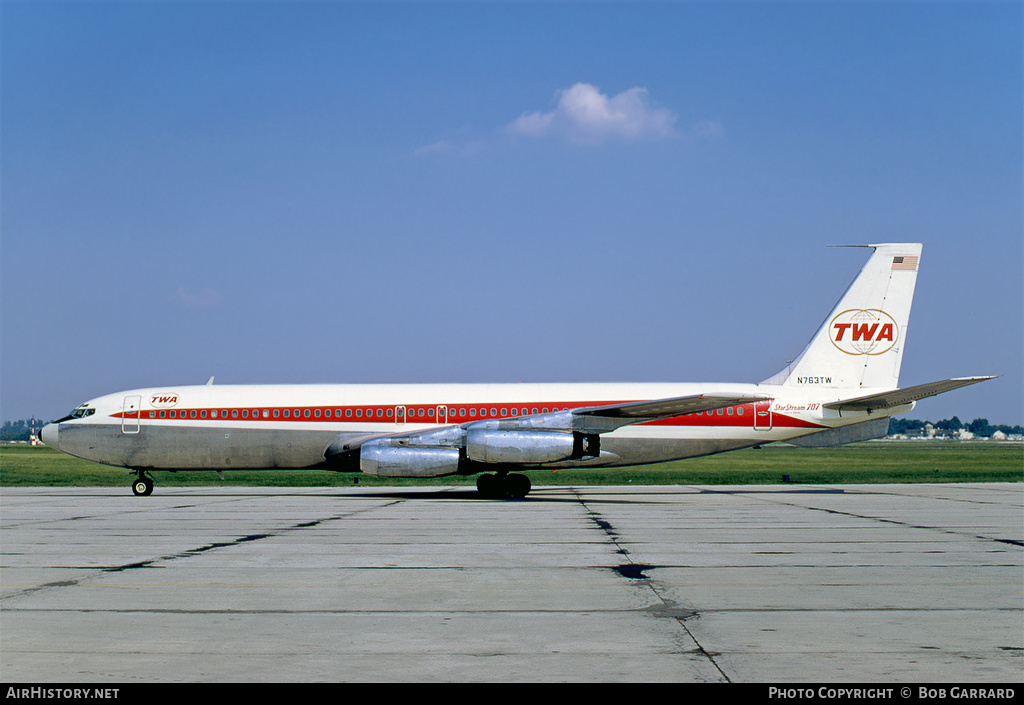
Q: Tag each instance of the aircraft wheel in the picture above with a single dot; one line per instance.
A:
(488, 485)
(517, 486)
(142, 487)
(514, 486)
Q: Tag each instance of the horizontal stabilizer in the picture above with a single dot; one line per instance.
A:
(667, 408)
(899, 397)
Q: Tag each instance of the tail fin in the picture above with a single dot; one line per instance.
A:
(861, 342)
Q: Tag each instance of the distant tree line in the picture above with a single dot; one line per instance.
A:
(21, 430)
(979, 427)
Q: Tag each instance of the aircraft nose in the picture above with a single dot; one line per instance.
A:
(49, 435)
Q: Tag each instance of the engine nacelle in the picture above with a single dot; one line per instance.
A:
(378, 458)
(520, 447)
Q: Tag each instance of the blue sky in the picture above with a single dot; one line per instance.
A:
(499, 192)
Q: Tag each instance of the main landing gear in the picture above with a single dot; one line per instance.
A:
(143, 484)
(503, 486)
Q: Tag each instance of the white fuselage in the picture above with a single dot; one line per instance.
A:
(218, 427)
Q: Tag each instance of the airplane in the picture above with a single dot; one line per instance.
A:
(842, 388)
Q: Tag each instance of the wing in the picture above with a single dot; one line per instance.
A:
(589, 420)
(640, 411)
(606, 418)
(899, 397)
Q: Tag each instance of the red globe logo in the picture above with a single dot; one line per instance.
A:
(867, 331)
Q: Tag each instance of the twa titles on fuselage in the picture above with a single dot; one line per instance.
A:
(842, 388)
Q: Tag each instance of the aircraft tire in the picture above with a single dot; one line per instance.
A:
(517, 486)
(142, 487)
(489, 486)
(514, 486)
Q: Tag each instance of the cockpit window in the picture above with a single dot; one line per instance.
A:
(79, 413)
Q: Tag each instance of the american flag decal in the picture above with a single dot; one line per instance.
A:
(907, 263)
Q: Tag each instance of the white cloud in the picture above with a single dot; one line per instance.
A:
(446, 148)
(441, 147)
(585, 115)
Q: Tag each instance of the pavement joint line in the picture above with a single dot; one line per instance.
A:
(884, 520)
(635, 572)
(189, 553)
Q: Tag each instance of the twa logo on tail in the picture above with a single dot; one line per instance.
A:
(864, 331)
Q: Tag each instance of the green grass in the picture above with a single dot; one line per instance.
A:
(859, 463)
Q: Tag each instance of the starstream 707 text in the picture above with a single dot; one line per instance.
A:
(62, 693)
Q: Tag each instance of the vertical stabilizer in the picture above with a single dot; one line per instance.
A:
(860, 344)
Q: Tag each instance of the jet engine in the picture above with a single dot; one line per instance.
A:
(521, 447)
(377, 457)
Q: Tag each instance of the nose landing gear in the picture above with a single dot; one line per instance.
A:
(143, 485)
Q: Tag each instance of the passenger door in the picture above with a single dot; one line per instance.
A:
(131, 413)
